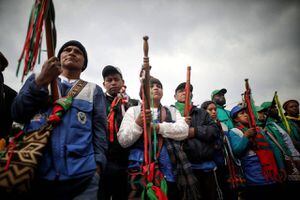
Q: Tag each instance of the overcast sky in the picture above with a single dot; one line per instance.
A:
(223, 41)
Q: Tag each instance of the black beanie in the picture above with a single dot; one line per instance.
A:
(76, 44)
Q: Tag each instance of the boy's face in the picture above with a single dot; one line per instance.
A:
(180, 95)
(113, 84)
(156, 91)
(242, 117)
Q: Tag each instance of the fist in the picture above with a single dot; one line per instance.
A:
(250, 132)
(50, 71)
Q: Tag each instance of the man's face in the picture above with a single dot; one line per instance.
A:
(261, 116)
(180, 95)
(274, 112)
(156, 91)
(113, 84)
(242, 117)
(219, 99)
(72, 58)
(292, 109)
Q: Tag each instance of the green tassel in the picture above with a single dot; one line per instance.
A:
(65, 102)
(150, 193)
(164, 186)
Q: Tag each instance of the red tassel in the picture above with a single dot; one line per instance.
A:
(159, 193)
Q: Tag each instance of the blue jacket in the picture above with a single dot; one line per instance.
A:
(79, 142)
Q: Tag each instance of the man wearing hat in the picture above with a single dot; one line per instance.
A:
(291, 108)
(114, 182)
(272, 123)
(75, 155)
(218, 96)
(6, 98)
(200, 145)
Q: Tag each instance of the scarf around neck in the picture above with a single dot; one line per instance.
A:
(180, 107)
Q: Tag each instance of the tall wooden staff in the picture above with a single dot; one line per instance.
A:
(249, 109)
(146, 102)
(187, 104)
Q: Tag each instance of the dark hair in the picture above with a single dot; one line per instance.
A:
(155, 81)
(181, 86)
(205, 104)
(152, 81)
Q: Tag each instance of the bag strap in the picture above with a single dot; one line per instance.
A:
(76, 89)
(276, 142)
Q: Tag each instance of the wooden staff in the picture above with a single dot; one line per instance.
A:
(146, 101)
(187, 104)
(249, 109)
(50, 47)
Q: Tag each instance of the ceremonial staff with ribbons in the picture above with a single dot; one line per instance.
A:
(259, 142)
(145, 81)
(250, 106)
(20, 158)
(42, 17)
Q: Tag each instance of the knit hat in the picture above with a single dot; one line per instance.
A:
(109, 69)
(221, 91)
(76, 44)
(182, 86)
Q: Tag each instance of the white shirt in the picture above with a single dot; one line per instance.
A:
(130, 131)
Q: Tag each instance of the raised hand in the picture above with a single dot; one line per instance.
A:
(50, 71)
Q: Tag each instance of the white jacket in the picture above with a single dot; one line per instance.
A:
(130, 132)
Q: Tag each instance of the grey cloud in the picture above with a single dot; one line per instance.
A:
(224, 41)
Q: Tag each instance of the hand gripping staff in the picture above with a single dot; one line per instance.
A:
(187, 104)
(249, 109)
(42, 13)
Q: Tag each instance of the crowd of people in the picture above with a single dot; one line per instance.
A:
(97, 151)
